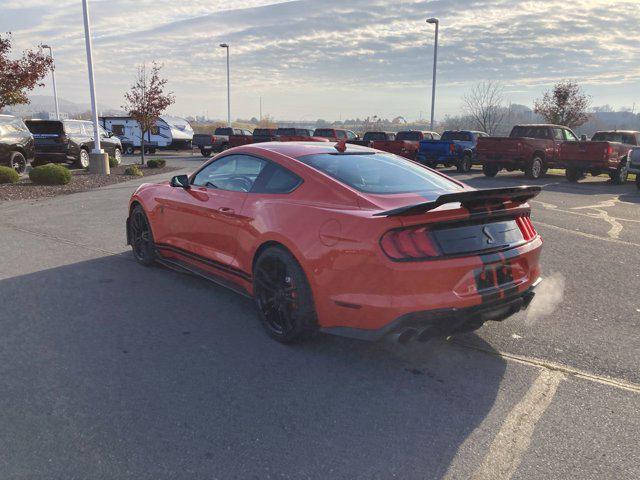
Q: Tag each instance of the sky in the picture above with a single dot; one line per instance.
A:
(336, 59)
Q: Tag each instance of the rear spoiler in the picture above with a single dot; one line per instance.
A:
(491, 198)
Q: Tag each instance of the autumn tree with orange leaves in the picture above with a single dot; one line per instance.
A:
(146, 101)
(20, 76)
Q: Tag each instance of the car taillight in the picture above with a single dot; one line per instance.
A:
(63, 138)
(608, 151)
(526, 227)
(213, 138)
(519, 147)
(452, 148)
(409, 244)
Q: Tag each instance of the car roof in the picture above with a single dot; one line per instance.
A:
(300, 149)
(617, 131)
(539, 125)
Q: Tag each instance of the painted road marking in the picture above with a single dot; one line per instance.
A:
(514, 437)
(588, 235)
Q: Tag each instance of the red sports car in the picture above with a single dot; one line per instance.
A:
(344, 239)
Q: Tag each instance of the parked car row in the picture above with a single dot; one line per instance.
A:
(534, 149)
(227, 137)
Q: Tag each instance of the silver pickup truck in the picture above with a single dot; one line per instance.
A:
(217, 142)
(634, 163)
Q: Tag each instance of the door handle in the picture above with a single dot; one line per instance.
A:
(226, 210)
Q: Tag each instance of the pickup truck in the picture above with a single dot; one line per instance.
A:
(530, 148)
(370, 137)
(606, 152)
(298, 135)
(217, 142)
(406, 143)
(455, 147)
(634, 163)
(264, 135)
(335, 134)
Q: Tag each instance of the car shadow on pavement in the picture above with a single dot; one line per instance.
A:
(113, 370)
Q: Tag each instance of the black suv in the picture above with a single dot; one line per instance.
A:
(69, 140)
(16, 143)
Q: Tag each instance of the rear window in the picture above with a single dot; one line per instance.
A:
(408, 136)
(614, 137)
(324, 132)
(262, 132)
(50, 128)
(530, 132)
(375, 136)
(287, 132)
(223, 131)
(379, 173)
(459, 136)
(303, 132)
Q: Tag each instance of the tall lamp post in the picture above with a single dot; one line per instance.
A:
(99, 161)
(435, 63)
(226, 45)
(53, 78)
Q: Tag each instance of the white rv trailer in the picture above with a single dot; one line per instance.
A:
(168, 133)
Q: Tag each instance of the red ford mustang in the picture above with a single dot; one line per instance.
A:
(344, 239)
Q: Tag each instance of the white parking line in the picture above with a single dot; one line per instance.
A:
(514, 437)
(588, 235)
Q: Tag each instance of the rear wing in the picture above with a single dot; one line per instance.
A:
(491, 198)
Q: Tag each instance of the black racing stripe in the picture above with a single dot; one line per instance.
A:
(206, 261)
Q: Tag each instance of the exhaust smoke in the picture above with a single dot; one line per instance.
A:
(549, 295)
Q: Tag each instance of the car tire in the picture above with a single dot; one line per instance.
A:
(464, 166)
(638, 180)
(224, 146)
(620, 176)
(205, 153)
(534, 168)
(18, 162)
(141, 237)
(129, 150)
(283, 297)
(490, 170)
(573, 174)
(82, 161)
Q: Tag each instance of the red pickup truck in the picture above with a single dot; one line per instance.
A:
(606, 152)
(406, 143)
(530, 148)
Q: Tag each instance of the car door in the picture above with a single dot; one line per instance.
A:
(558, 138)
(203, 220)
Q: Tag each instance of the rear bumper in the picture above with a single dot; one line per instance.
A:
(424, 157)
(501, 159)
(424, 325)
(591, 165)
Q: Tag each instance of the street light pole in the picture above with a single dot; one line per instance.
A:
(53, 78)
(99, 161)
(435, 63)
(226, 45)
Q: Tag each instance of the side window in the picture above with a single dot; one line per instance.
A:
(341, 134)
(154, 130)
(73, 128)
(117, 129)
(276, 179)
(236, 173)
(557, 134)
(570, 136)
(351, 135)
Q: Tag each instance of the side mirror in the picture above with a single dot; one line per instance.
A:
(181, 181)
(583, 138)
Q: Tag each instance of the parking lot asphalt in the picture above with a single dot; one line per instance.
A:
(113, 370)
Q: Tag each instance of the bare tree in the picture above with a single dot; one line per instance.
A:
(21, 75)
(566, 104)
(485, 105)
(146, 101)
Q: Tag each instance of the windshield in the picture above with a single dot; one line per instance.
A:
(380, 173)
(613, 137)
(459, 136)
(410, 136)
(286, 132)
(224, 131)
(375, 136)
(529, 132)
(324, 132)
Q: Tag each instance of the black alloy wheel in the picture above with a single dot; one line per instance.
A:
(18, 163)
(141, 237)
(283, 296)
